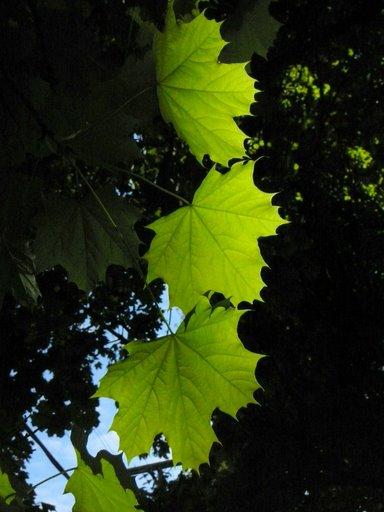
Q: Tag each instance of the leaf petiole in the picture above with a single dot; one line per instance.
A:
(146, 180)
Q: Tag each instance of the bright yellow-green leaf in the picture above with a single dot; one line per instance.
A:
(99, 493)
(5, 487)
(197, 94)
(80, 236)
(172, 385)
(211, 245)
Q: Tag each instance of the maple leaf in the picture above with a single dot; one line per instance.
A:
(81, 237)
(251, 29)
(6, 488)
(211, 245)
(197, 94)
(173, 384)
(99, 493)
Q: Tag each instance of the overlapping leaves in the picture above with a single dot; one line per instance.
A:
(173, 384)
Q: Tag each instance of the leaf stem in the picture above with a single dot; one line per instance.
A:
(52, 141)
(146, 180)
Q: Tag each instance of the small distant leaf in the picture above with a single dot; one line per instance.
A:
(211, 245)
(197, 94)
(5, 487)
(172, 385)
(78, 235)
(99, 493)
(251, 29)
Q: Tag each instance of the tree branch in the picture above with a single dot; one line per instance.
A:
(48, 454)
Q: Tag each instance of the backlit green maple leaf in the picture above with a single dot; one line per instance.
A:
(197, 94)
(211, 245)
(79, 235)
(99, 493)
(172, 385)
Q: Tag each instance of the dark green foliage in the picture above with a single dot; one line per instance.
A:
(59, 60)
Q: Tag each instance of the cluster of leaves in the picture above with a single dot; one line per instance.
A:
(315, 443)
(79, 205)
